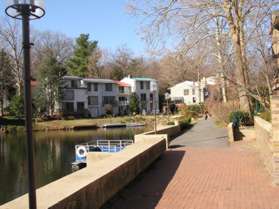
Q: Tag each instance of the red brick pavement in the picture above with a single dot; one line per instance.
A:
(202, 178)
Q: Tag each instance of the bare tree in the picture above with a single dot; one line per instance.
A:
(47, 42)
(195, 21)
(10, 38)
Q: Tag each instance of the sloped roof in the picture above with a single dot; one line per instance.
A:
(122, 84)
(186, 83)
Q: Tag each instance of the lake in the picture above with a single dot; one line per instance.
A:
(54, 153)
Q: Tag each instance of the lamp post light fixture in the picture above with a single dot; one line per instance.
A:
(27, 10)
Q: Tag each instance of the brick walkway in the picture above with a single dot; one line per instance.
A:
(202, 178)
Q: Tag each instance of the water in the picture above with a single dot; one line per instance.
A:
(54, 153)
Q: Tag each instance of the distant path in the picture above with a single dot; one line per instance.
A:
(204, 134)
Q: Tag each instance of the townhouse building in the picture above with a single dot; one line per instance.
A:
(88, 97)
(147, 91)
(97, 97)
(191, 92)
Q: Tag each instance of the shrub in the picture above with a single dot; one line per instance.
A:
(196, 110)
(185, 123)
(221, 111)
(134, 104)
(185, 111)
(16, 107)
(240, 118)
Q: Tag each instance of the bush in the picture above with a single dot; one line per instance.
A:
(240, 118)
(16, 107)
(185, 123)
(221, 111)
(196, 110)
(185, 111)
(134, 104)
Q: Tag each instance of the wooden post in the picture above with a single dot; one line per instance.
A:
(275, 98)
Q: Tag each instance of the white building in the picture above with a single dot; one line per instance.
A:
(147, 91)
(191, 92)
(98, 97)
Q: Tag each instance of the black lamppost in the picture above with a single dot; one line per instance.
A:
(27, 10)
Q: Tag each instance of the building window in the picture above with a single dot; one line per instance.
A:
(108, 86)
(141, 85)
(68, 107)
(151, 97)
(96, 87)
(108, 100)
(89, 87)
(193, 91)
(121, 89)
(148, 85)
(74, 84)
(123, 99)
(143, 97)
(93, 100)
(194, 100)
(186, 92)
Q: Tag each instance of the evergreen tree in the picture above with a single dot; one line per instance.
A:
(78, 65)
(50, 75)
(134, 103)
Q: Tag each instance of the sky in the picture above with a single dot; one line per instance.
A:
(105, 20)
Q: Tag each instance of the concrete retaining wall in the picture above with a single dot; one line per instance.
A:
(104, 176)
(91, 187)
(263, 139)
(170, 131)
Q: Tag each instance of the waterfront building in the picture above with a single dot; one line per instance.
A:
(191, 92)
(88, 97)
(147, 91)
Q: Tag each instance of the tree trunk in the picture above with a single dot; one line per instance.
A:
(220, 60)
(235, 25)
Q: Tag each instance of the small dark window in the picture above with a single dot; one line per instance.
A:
(96, 87)
(141, 85)
(108, 100)
(93, 100)
(186, 92)
(89, 87)
(121, 89)
(74, 84)
(143, 97)
(108, 86)
(148, 85)
(68, 107)
(151, 97)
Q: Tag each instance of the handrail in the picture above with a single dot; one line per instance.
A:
(109, 145)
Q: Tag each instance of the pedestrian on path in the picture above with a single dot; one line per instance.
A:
(206, 115)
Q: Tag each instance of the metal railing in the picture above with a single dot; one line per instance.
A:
(106, 145)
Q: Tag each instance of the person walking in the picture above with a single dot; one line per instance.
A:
(206, 115)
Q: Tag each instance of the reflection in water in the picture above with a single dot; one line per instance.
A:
(54, 152)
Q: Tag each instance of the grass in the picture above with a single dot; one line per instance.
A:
(62, 124)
